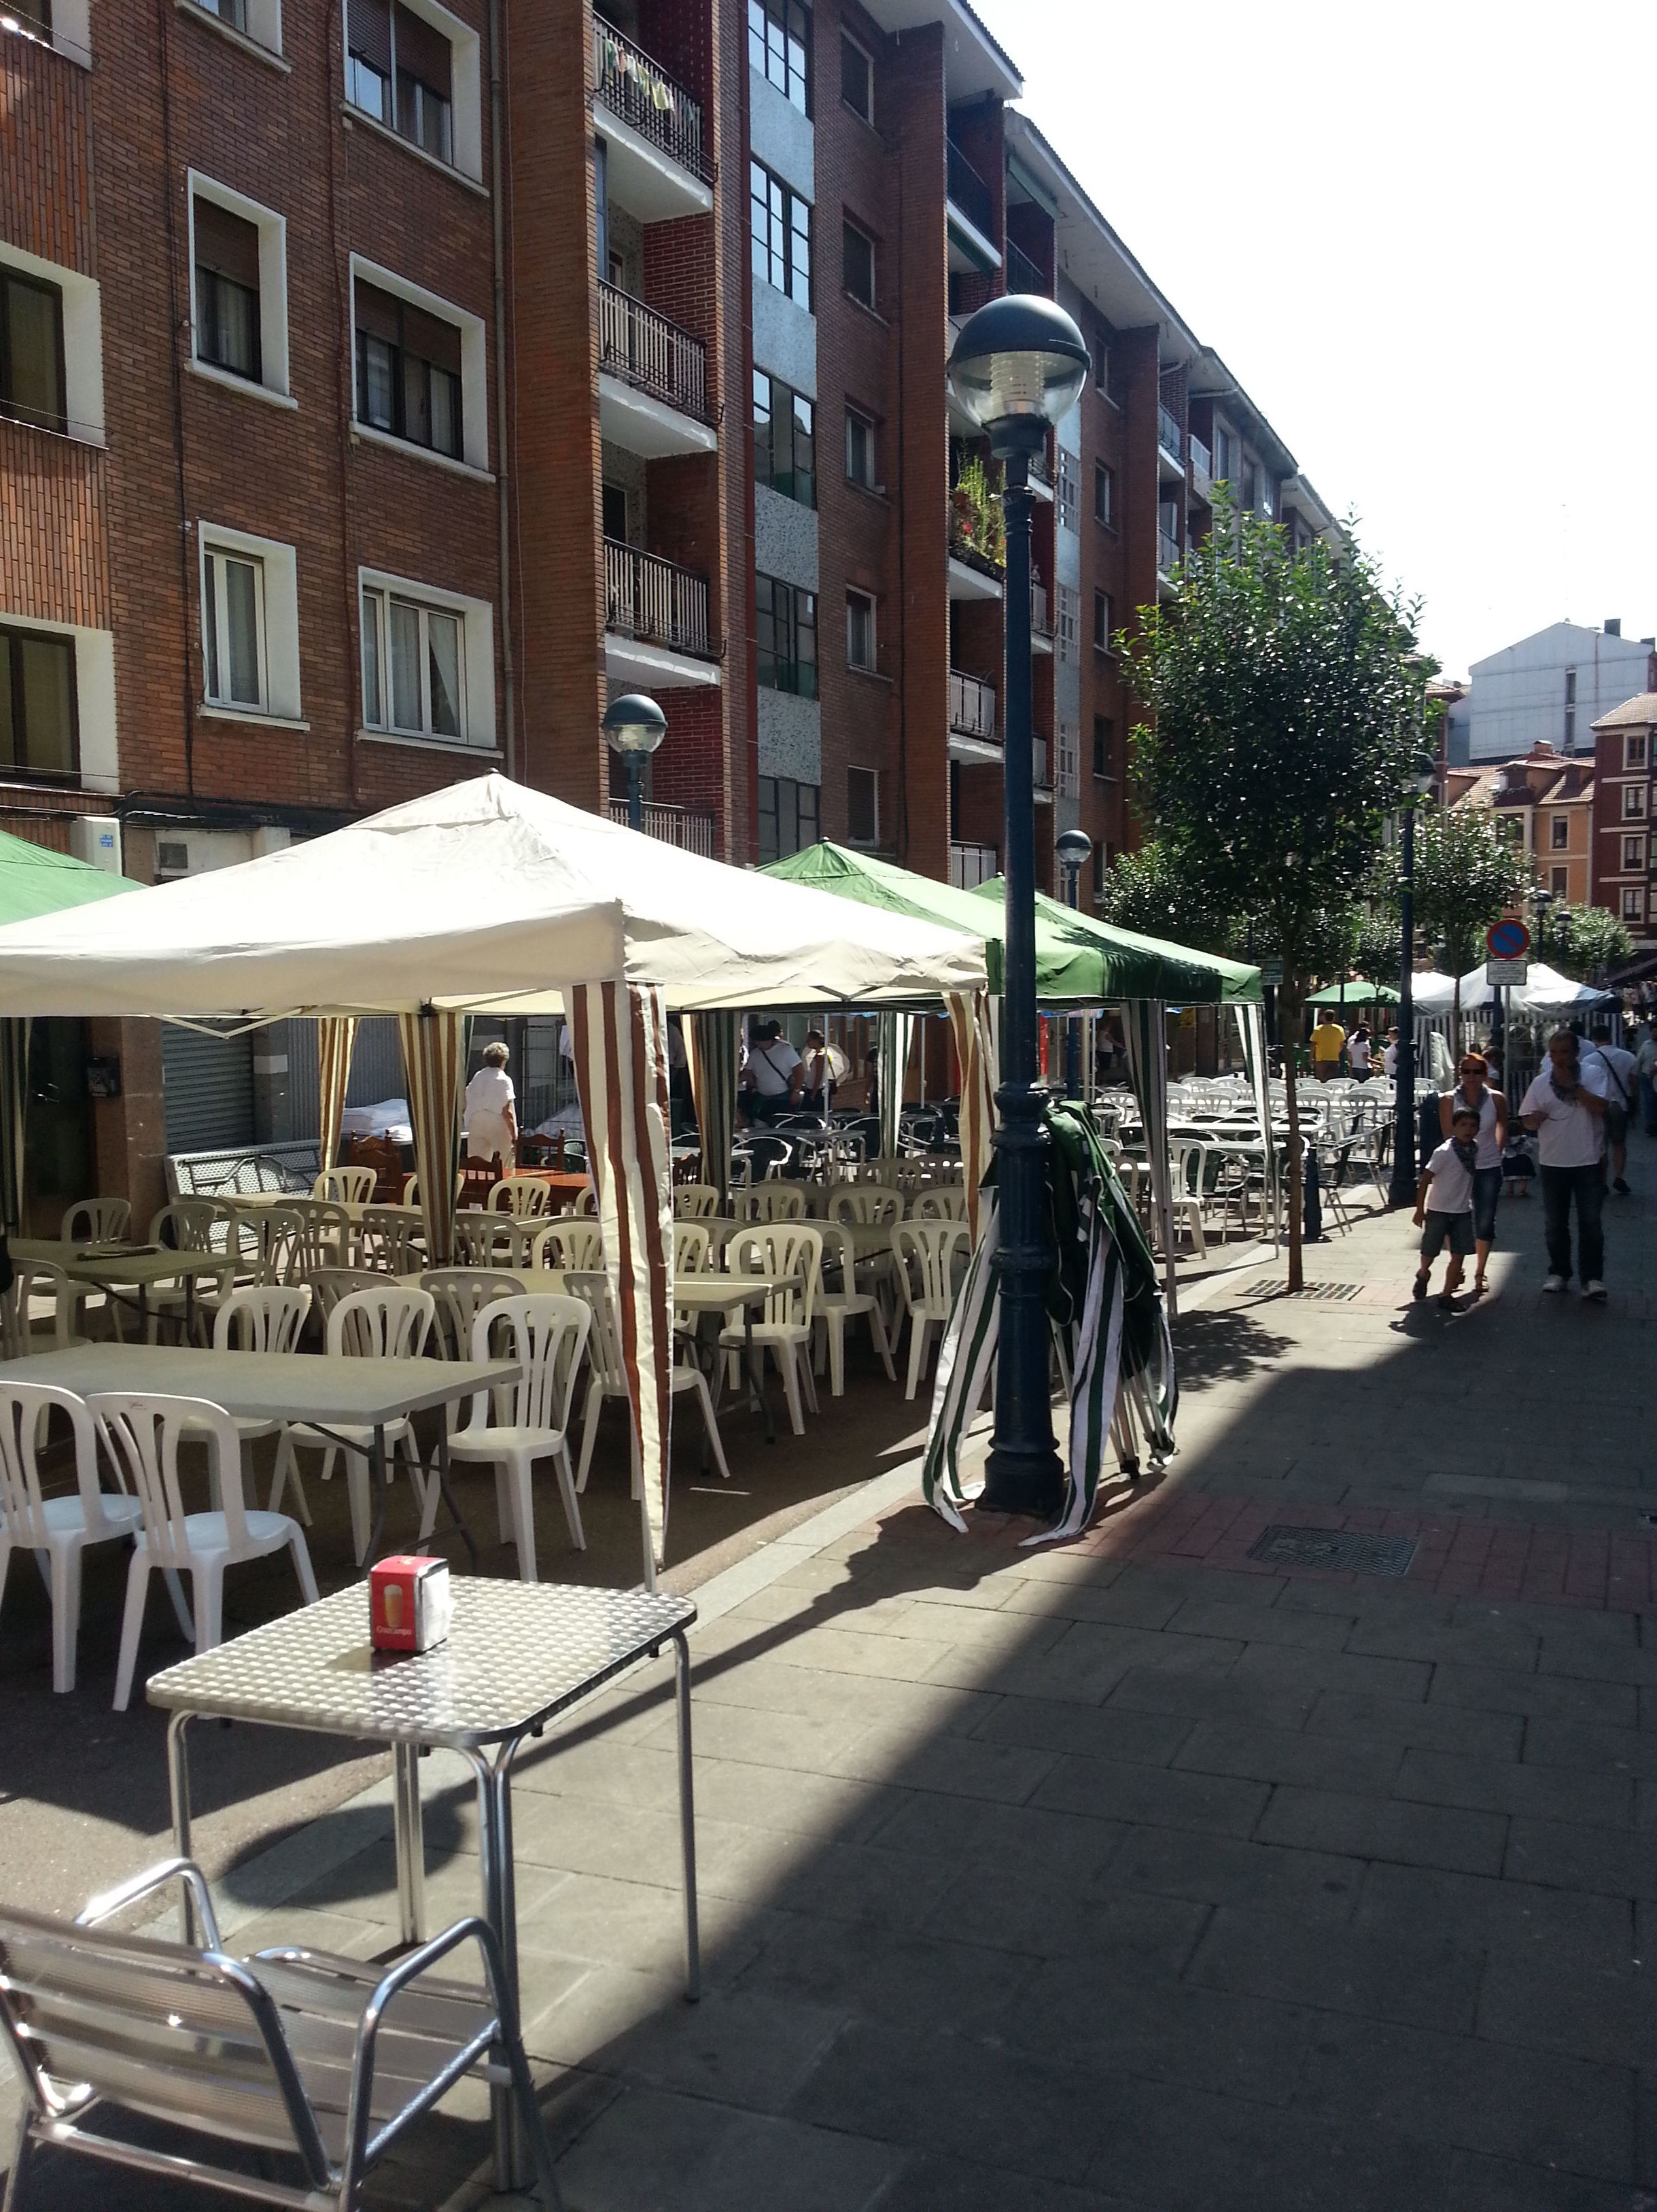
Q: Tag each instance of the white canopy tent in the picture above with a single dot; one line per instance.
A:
(1547, 992)
(486, 897)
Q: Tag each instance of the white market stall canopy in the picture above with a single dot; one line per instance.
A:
(483, 896)
(1547, 992)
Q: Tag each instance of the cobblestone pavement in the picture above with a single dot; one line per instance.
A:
(1188, 1868)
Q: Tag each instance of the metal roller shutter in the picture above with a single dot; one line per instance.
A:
(209, 1086)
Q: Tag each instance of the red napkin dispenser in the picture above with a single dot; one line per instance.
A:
(411, 1602)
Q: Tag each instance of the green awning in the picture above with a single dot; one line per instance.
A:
(1358, 994)
(1137, 967)
(1067, 969)
(34, 881)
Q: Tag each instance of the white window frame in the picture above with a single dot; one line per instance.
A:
(1105, 475)
(855, 597)
(71, 31)
(873, 774)
(272, 228)
(849, 223)
(1559, 882)
(1559, 833)
(1068, 749)
(473, 374)
(866, 421)
(1633, 802)
(264, 24)
(1066, 622)
(465, 85)
(1634, 852)
(1634, 749)
(479, 736)
(279, 658)
(83, 341)
(94, 695)
(1067, 489)
(1634, 903)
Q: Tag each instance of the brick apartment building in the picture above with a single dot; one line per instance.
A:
(385, 386)
(1624, 749)
(1544, 803)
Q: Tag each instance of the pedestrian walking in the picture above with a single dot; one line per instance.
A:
(1622, 1089)
(1358, 1046)
(1566, 1108)
(1474, 1093)
(1328, 1043)
(489, 1114)
(1389, 1056)
(1645, 1061)
(1444, 1206)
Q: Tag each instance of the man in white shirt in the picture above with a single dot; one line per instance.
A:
(490, 1116)
(774, 1074)
(1389, 1058)
(1566, 1108)
(1621, 1090)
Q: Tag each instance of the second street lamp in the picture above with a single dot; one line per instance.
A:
(1402, 1190)
(1019, 365)
(1075, 849)
(634, 726)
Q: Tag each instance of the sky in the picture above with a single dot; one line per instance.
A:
(1419, 236)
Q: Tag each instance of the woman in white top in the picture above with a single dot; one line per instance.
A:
(1475, 1092)
(490, 1114)
(1357, 1051)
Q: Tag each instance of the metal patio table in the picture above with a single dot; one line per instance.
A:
(313, 1389)
(517, 1655)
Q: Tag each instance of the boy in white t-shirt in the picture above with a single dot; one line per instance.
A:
(1444, 1205)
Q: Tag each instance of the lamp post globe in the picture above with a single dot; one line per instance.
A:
(633, 727)
(1017, 368)
(1074, 849)
(1402, 1189)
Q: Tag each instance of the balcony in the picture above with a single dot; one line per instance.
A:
(1041, 619)
(655, 620)
(1170, 444)
(971, 719)
(1041, 780)
(656, 165)
(673, 825)
(1022, 275)
(972, 865)
(1168, 552)
(1202, 477)
(970, 214)
(653, 381)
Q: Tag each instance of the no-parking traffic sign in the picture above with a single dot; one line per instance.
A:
(1507, 940)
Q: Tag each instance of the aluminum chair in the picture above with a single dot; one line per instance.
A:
(141, 1435)
(56, 1529)
(290, 2055)
(547, 1334)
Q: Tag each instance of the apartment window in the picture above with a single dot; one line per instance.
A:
(1104, 747)
(786, 619)
(1570, 729)
(862, 807)
(859, 631)
(860, 461)
(1634, 853)
(784, 440)
(1067, 489)
(1634, 904)
(1104, 494)
(780, 48)
(1225, 454)
(37, 703)
(856, 78)
(858, 264)
(1265, 496)
(1101, 354)
(1103, 626)
(779, 224)
(1633, 802)
(400, 69)
(32, 351)
(1571, 687)
(413, 667)
(788, 817)
(1068, 616)
(1559, 832)
(227, 290)
(1559, 883)
(407, 372)
(1068, 745)
(232, 629)
(1100, 862)
(1633, 750)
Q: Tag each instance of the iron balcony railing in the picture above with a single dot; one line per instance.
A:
(1170, 436)
(972, 706)
(1168, 551)
(1040, 620)
(655, 600)
(972, 865)
(646, 98)
(648, 350)
(1023, 274)
(968, 192)
(674, 825)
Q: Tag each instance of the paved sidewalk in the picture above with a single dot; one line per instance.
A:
(1143, 1875)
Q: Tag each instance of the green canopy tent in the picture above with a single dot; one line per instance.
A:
(1145, 967)
(34, 881)
(1357, 992)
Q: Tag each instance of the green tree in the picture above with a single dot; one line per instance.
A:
(1147, 891)
(1582, 941)
(1285, 711)
(1467, 874)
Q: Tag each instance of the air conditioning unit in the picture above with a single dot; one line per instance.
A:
(96, 839)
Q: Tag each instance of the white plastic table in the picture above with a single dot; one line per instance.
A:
(517, 1655)
(127, 1272)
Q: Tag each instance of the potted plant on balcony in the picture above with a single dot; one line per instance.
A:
(977, 529)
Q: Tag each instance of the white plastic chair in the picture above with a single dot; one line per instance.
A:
(943, 1202)
(32, 1279)
(771, 1202)
(693, 1248)
(263, 1317)
(524, 1197)
(56, 1529)
(927, 1253)
(835, 1307)
(575, 1245)
(869, 1205)
(391, 1240)
(792, 1250)
(97, 1221)
(461, 1294)
(388, 1323)
(694, 1201)
(607, 1378)
(142, 1436)
(345, 1186)
(547, 1334)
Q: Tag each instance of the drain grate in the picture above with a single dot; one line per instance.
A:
(1326, 1291)
(1341, 1551)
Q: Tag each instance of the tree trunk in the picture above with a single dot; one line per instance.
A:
(1455, 1020)
(1289, 1022)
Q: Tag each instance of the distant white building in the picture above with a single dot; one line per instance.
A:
(1551, 689)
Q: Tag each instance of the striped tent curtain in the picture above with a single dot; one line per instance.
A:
(434, 1067)
(894, 1033)
(1251, 1020)
(619, 1032)
(14, 1102)
(336, 1037)
(1144, 1028)
(710, 1047)
(974, 1029)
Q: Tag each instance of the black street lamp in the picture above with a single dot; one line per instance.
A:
(1075, 849)
(1018, 366)
(1402, 1191)
(634, 726)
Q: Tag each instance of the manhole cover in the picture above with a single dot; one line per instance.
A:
(1269, 1289)
(1341, 1551)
